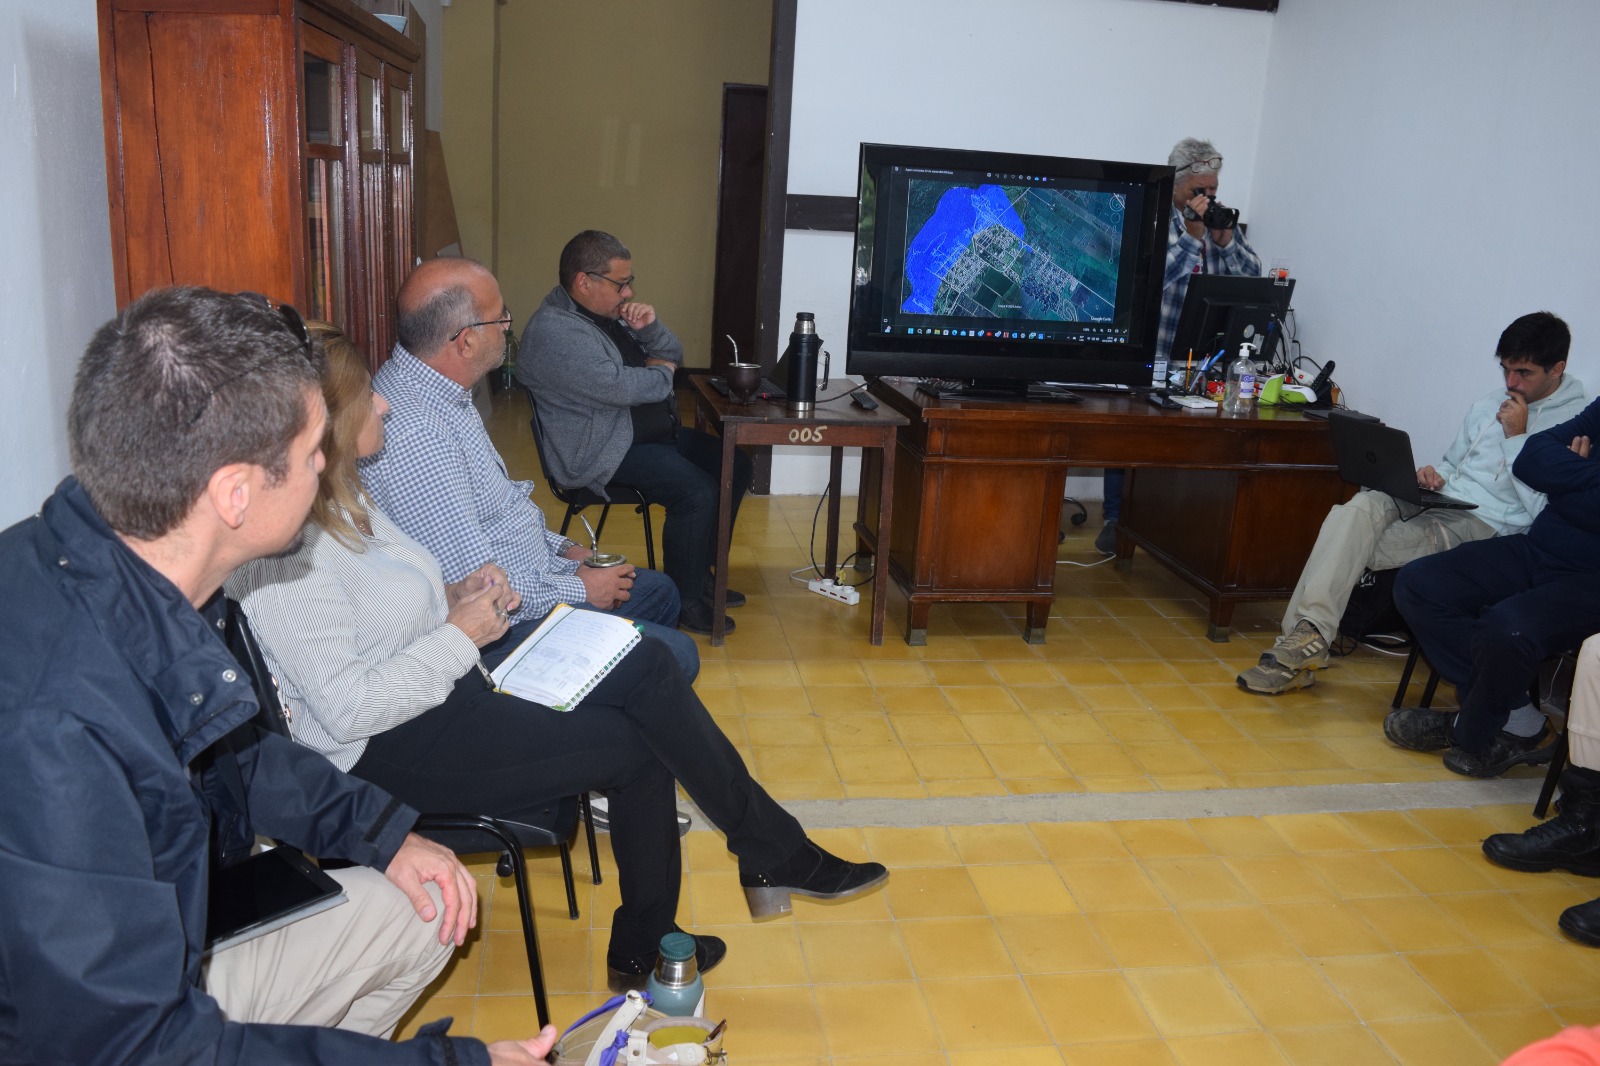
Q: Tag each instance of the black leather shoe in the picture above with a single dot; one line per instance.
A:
(623, 975)
(1582, 923)
(1418, 729)
(696, 618)
(1505, 751)
(811, 872)
(735, 597)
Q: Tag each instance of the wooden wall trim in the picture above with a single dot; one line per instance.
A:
(833, 213)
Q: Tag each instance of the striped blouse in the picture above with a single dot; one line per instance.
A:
(357, 640)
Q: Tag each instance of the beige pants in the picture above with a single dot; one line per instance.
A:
(1367, 534)
(357, 966)
(1583, 718)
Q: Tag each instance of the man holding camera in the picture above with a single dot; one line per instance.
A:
(1196, 244)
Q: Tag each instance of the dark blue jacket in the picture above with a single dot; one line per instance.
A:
(1569, 526)
(114, 696)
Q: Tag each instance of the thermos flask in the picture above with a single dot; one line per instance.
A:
(801, 359)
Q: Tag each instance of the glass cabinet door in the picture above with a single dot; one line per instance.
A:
(376, 293)
(401, 149)
(323, 72)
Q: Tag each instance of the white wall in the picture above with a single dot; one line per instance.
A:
(1100, 79)
(1427, 167)
(55, 246)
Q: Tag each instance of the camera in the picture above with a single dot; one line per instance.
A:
(1219, 217)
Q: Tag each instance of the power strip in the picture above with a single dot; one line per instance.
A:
(826, 586)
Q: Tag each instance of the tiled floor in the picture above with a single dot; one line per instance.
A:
(1160, 872)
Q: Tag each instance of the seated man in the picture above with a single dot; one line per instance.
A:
(131, 764)
(601, 364)
(441, 481)
(1191, 249)
(1371, 533)
(1570, 840)
(1488, 613)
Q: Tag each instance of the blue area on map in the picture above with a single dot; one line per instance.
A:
(961, 213)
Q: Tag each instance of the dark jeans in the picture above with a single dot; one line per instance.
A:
(641, 728)
(683, 477)
(1487, 614)
(1112, 506)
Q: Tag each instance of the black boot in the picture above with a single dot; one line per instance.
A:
(623, 975)
(1582, 923)
(812, 872)
(1569, 841)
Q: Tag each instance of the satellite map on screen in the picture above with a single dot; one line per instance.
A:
(1012, 252)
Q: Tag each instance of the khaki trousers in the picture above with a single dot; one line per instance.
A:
(358, 966)
(1583, 717)
(1368, 534)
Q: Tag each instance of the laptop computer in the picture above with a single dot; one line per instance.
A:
(1376, 456)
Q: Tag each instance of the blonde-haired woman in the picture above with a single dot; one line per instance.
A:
(378, 660)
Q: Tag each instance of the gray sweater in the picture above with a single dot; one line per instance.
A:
(584, 390)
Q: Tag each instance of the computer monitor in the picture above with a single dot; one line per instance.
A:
(1002, 269)
(1220, 313)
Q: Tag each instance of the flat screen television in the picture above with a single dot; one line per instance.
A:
(996, 269)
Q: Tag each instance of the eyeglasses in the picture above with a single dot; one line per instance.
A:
(504, 322)
(1210, 163)
(623, 284)
(297, 326)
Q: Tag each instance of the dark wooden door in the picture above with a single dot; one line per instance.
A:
(735, 307)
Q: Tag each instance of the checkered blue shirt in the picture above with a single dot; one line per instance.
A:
(441, 481)
(1187, 256)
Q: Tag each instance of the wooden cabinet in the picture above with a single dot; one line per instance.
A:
(262, 145)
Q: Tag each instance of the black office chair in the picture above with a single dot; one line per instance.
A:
(578, 499)
(1405, 680)
(553, 826)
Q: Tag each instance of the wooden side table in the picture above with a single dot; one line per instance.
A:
(836, 425)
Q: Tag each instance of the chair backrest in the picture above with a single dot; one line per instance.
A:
(573, 497)
(241, 641)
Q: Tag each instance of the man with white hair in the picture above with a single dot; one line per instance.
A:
(1191, 249)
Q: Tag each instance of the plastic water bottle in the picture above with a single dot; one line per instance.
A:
(1239, 396)
(675, 988)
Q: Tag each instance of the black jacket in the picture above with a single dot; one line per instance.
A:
(116, 697)
(1569, 526)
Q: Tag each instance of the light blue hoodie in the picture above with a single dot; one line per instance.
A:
(1477, 466)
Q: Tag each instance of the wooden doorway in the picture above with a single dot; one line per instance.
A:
(736, 290)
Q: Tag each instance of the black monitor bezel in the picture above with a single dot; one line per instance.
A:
(1245, 296)
(876, 353)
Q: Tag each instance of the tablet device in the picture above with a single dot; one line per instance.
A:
(267, 891)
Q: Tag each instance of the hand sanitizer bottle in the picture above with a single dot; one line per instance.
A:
(1239, 397)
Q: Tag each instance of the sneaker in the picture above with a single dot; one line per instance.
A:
(696, 618)
(1505, 751)
(600, 815)
(1418, 729)
(625, 975)
(1303, 648)
(1269, 677)
(1105, 542)
(812, 872)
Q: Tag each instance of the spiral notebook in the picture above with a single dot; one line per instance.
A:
(566, 657)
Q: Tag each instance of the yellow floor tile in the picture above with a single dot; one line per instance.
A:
(1089, 1007)
(845, 952)
(1148, 938)
(1055, 943)
(875, 1019)
(984, 1013)
(1287, 995)
(1111, 886)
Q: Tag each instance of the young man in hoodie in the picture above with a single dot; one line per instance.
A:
(1487, 614)
(1371, 533)
(600, 365)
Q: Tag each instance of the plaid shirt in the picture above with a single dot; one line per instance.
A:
(442, 482)
(1186, 256)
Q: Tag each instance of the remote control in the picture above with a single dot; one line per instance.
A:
(863, 401)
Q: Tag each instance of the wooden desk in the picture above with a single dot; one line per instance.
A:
(837, 425)
(1230, 504)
